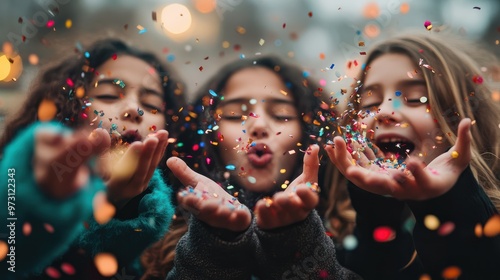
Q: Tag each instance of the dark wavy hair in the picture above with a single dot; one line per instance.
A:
(52, 84)
(308, 99)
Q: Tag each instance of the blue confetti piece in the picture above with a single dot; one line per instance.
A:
(142, 31)
(212, 93)
(305, 74)
(99, 125)
(396, 103)
(331, 66)
(170, 58)
(230, 167)
(200, 132)
(114, 126)
(87, 54)
(242, 56)
(398, 93)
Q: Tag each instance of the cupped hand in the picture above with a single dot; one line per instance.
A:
(296, 202)
(414, 182)
(208, 201)
(128, 170)
(60, 161)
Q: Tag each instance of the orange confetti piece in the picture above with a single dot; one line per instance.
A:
(103, 210)
(492, 227)
(47, 110)
(451, 272)
(27, 229)
(4, 249)
(106, 264)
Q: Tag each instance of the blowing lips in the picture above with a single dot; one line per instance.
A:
(259, 155)
(128, 137)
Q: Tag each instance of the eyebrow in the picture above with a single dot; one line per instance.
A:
(112, 81)
(401, 84)
(246, 100)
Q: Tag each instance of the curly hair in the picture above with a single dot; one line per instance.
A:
(59, 84)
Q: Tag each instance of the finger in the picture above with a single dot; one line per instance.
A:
(186, 175)
(140, 176)
(460, 152)
(311, 164)
(123, 170)
(308, 196)
(162, 136)
(101, 140)
(343, 157)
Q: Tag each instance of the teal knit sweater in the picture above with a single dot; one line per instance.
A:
(58, 224)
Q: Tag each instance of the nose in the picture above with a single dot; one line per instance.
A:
(131, 110)
(259, 127)
(387, 113)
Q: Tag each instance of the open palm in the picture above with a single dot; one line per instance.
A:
(417, 181)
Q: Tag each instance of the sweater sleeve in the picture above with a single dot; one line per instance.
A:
(203, 254)
(461, 212)
(127, 238)
(299, 251)
(39, 228)
(390, 220)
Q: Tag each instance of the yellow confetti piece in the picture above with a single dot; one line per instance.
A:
(103, 210)
(431, 222)
(68, 23)
(4, 249)
(241, 30)
(454, 154)
(261, 42)
(106, 264)
(451, 272)
(282, 171)
(492, 227)
(46, 110)
(283, 92)
(226, 44)
(284, 186)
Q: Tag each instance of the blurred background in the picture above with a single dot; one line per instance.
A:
(326, 38)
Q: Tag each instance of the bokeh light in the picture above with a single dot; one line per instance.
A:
(176, 18)
(205, 6)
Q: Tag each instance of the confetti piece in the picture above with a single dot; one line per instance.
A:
(404, 8)
(451, 272)
(33, 59)
(106, 264)
(68, 23)
(4, 250)
(52, 272)
(423, 99)
(454, 154)
(383, 234)
(261, 42)
(282, 171)
(477, 8)
(350, 242)
(284, 25)
(103, 210)
(428, 25)
(50, 23)
(446, 228)
(478, 230)
(153, 15)
(200, 68)
(310, 14)
(70, 82)
(431, 222)
(477, 79)
(251, 179)
(492, 227)
(241, 30)
(68, 268)
(46, 110)
(49, 228)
